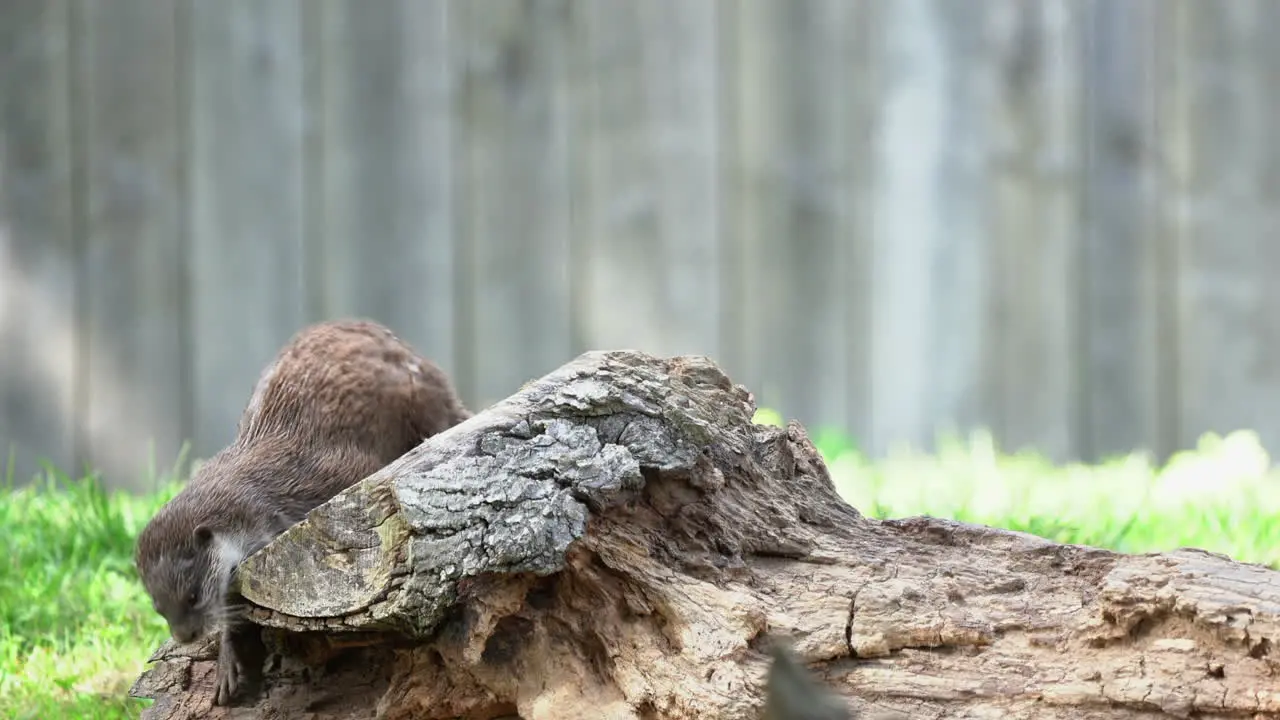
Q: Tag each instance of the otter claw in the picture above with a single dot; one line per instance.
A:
(228, 675)
(240, 657)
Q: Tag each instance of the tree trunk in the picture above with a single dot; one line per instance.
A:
(618, 540)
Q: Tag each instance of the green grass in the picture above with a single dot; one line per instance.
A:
(1223, 495)
(78, 628)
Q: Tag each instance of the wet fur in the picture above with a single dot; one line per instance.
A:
(341, 400)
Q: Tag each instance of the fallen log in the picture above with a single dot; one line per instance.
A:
(619, 540)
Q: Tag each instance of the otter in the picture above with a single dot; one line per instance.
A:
(793, 693)
(340, 400)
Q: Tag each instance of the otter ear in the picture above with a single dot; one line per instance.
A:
(204, 535)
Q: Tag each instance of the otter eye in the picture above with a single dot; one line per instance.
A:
(193, 598)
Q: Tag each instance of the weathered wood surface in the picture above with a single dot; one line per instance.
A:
(1222, 173)
(380, 131)
(618, 540)
(799, 219)
(1038, 149)
(1051, 219)
(512, 86)
(645, 168)
(928, 278)
(38, 313)
(131, 348)
(1125, 352)
(246, 200)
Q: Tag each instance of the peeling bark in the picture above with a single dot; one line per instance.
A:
(618, 541)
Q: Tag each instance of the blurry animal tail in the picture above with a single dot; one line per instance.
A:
(793, 693)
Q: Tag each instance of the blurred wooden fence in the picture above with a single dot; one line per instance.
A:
(1055, 219)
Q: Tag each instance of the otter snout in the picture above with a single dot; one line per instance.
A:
(185, 632)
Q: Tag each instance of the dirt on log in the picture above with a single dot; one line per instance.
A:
(619, 540)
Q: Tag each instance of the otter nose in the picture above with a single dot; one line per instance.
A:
(183, 634)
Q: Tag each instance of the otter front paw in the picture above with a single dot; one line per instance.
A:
(240, 657)
(230, 672)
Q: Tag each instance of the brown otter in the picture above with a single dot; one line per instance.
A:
(341, 400)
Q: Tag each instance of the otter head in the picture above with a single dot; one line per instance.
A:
(186, 576)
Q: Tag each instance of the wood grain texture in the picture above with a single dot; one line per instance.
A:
(626, 544)
(381, 197)
(898, 218)
(1224, 165)
(246, 124)
(132, 270)
(801, 240)
(932, 252)
(512, 169)
(1127, 392)
(1033, 203)
(646, 152)
(38, 290)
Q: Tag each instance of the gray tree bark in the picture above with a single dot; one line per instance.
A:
(618, 540)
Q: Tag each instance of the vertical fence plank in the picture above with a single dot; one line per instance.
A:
(646, 189)
(794, 202)
(512, 163)
(864, 73)
(932, 254)
(37, 251)
(131, 272)
(383, 202)
(901, 217)
(246, 124)
(1120, 266)
(1035, 197)
(1225, 161)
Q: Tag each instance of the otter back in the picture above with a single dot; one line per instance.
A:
(351, 383)
(339, 401)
